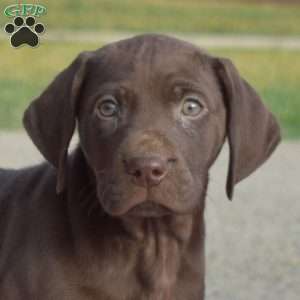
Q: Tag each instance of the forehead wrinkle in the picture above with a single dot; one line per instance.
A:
(152, 53)
(144, 69)
(149, 60)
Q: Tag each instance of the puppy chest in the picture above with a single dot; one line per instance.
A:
(157, 266)
(147, 271)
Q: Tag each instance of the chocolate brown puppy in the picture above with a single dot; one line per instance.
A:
(121, 217)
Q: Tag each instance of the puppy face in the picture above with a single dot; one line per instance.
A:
(153, 112)
(151, 121)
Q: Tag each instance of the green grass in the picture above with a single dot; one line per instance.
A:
(25, 72)
(205, 16)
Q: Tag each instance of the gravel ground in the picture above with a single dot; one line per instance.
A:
(253, 243)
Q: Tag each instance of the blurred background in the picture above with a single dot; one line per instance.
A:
(253, 245)
(261, 37)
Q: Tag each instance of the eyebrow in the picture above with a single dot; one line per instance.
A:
(185, 83)
(188, 84)
(110, 86)
(177, 78)
(116, 88)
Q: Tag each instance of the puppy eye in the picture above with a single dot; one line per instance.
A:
(107, 107)
(191, 106)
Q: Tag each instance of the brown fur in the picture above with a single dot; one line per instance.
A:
(82, 226)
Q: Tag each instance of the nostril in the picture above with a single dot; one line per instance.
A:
(146, 171)
(157, 172)
(137, 173)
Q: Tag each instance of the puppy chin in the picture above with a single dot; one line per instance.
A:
(119, 204)
(146, 209)
(142, 208)
(149, 209)
(146, 203)
(137, 206)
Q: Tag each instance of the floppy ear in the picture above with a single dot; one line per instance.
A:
(50, 119)
(252, 131)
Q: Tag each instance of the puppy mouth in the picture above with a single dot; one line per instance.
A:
(149, 209)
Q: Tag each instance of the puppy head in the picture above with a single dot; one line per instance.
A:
(153, 113)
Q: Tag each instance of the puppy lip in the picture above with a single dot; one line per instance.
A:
(149, 208)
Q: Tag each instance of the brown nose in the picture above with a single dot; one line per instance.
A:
(146, 171)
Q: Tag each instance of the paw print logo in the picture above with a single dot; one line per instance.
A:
(24, 31)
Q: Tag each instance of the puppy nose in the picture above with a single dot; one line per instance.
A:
(147, 171)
